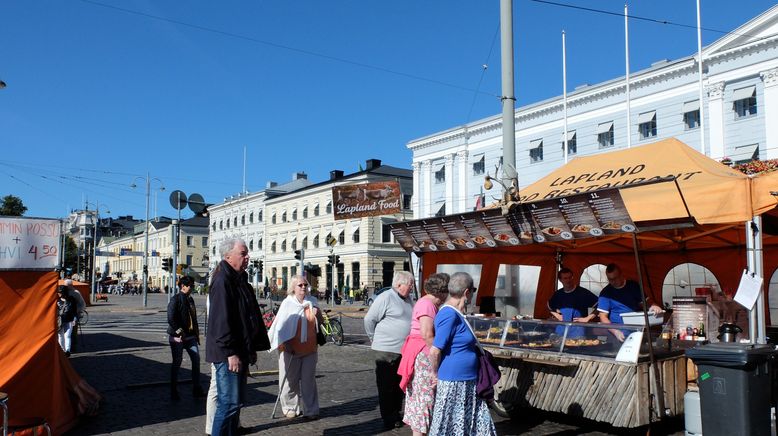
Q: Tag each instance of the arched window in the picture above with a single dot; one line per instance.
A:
(305, 243)
(329, 208)
(259, 244)
(214, 250)
(316, 210)
(305, 212)
(221, 225)
(593, 278)
(251, 245)
(235, 221)
(355, 236)
(243, 220)
(683, 279)
(273, 247)
(273, 218)
(294, 244)
(316, 241)
(214, 226)
(294, 215)
(283, 245)
(342, 238)
(228, 223)
(283, 217)
(259, 216)
(251, 218)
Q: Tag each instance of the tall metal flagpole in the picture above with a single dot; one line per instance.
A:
(626, 61)
(699, 73)
(564, 96)
(146, 246)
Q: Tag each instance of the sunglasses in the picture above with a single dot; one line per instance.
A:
(302, 285)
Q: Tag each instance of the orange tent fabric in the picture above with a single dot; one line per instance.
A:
(34, 372)
(714, 193)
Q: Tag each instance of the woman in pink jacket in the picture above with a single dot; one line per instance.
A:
(418, 380)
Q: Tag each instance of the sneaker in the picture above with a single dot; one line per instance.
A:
(291, 414)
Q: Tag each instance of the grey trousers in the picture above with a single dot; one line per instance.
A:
(300, 383)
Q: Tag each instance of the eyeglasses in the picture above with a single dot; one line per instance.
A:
(302, 285)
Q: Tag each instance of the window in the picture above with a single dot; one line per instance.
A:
(243, 220)
(214, 250)
(251, 245)
(355, 236)
(441, 210)
(691, 114)
(744, 102)
(684, 279)
(273, 218)
(572, 142)
(283, 245)
(190, 241)
(329, 208)
(228, 223)
(536, 151)
(283, 217)
(188, 260)
(251, 218)
(305, 243)
(214, 226)
(316, 210)
(221, 225)
(294, 244)
(205, 241)
(316, 241)
(355, 282)
(605, 134)
(386, 234)
(647, 125)
(342, 238)
(235, 221)
(294, 215)
(259, 244)
(407, 201)
(745, 153)
(305, 212)
(440, 174)
(479, 166)
(273, 247)
(259, 216)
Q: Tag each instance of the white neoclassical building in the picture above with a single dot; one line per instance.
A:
(740, 108)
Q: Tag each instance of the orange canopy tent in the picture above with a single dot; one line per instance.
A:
(34, 372)
(83, 288)
(698, 216)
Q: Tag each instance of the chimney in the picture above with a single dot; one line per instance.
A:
(372, 164)
(299, 175)
(271, 185)
(336, 174)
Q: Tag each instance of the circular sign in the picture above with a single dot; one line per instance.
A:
(196, 203)
(178, 199)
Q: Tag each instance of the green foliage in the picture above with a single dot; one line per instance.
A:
(12, 206)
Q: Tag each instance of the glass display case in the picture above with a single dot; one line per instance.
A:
(590, 339)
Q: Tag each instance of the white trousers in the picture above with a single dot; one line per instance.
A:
(300, 383)
(63, 335)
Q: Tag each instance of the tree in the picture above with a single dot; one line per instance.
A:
(71, 254)
(12, 206)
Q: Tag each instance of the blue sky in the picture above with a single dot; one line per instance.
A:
(102, 91)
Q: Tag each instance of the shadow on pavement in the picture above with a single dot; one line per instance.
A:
(96, 342)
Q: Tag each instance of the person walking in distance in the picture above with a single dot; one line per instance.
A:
(184, 334)
(235, 334)
(388, 323)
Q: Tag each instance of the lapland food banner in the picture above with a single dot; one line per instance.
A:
(366, 199)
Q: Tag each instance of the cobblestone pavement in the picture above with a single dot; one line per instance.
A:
(123, 353)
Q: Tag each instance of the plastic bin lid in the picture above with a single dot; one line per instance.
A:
(730, 353)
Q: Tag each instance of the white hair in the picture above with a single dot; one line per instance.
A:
(228, 244)
(402, 278)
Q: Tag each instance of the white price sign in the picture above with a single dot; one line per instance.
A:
(29, 243)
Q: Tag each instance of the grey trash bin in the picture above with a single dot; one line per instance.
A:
(734, 381)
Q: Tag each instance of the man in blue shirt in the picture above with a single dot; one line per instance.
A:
(620, 296)
(571, 303)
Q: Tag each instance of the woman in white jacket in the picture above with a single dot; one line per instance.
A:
(293, 334)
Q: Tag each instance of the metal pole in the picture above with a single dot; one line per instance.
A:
(626, 66)
(699, 73)
(94, 253)
(756, 321)
(174, 271)
(508, 98)
(302, 261)
(564, 96)
(146, 247)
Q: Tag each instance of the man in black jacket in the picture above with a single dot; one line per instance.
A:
(184, 334)
(235, 334)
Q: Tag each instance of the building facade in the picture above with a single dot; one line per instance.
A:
(740, 107)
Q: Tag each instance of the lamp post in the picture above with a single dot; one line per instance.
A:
(93, 273)
(146, 235)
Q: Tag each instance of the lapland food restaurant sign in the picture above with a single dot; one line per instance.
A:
(368, 199)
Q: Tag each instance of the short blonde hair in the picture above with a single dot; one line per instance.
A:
(293, 284)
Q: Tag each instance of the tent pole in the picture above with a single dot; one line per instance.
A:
(756, 318)
(659, 391)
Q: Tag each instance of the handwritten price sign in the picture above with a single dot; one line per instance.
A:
(29, 243)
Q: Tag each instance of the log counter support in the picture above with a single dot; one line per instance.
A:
(590, 387)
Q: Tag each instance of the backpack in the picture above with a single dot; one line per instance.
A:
(67, 309)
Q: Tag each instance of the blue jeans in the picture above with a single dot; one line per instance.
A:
(230, 397)
(177, 350)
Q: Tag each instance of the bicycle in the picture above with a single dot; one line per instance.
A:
(82, 318)
(268, 316)
(332, 328)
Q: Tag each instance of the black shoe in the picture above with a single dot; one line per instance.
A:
(67, 353)
(199, 393)
(398, 424)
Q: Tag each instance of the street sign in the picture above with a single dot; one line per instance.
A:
(178, 199)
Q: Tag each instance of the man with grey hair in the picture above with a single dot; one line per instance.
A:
(235, 334)
(388, 323)
(80, 308)
(459, 283)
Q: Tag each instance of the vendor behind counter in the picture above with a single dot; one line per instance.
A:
(571, 303)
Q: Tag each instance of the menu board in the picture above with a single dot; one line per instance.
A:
(578, 216)
(688, 313)
(29, 243)
(610, 211)
(549, 221)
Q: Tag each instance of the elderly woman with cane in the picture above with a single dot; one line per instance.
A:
(293, 334)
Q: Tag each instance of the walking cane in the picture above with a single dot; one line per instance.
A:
(281, 388)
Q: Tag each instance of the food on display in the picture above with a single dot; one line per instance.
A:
(581, 228)
(612, 225)
(582, 342)
(552, 231)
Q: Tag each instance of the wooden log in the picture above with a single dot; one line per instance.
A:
(680, 385)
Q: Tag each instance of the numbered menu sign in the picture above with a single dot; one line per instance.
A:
(579, 216)
(29, 243)
(610, 211)
(549, 221)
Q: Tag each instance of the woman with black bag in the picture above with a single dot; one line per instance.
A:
(184, 334)
(459, 410)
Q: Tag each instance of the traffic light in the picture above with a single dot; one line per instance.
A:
(313, 270)
(167, 264)
(298, 254)
(336, 259)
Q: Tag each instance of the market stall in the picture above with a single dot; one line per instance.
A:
(647, 209)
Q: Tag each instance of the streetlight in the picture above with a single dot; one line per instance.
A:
(94, 248)
(146, 237)
(2, 84)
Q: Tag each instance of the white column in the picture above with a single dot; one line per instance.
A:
(425, 201)
(462, 182)
(770, 105)
(716, 120)
(450, 183)
(416, 190)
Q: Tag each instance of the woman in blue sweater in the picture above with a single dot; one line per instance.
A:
(458, 410)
